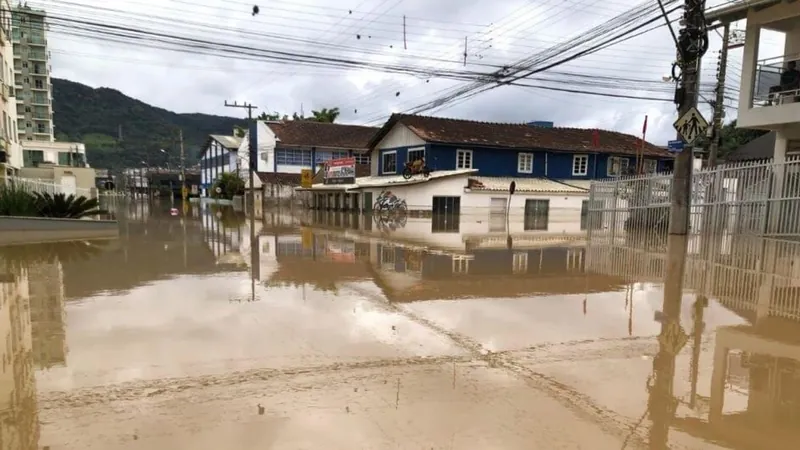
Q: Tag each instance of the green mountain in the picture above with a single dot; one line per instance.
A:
(97, 116)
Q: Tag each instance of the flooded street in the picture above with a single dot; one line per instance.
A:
(340, 331)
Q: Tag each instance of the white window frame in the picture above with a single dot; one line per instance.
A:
(575, 159)
(619, 163)
(467, 154)
(650, 166)
(383, 161)
(415, 149)
(525, 159)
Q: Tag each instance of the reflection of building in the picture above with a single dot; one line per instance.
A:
(19, 426)
(47, 314)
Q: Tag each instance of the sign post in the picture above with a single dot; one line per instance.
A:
(340, 171)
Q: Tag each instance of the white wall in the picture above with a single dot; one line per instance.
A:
(9, 106)
(398, 136)
(52, 149)
(420, 197)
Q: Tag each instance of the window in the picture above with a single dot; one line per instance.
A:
(519, 262)
(537, 214)
(31, 157)
(24, 65)
(617, 166)
(650, 166)
(464, 159)
(389, 162)
(39, 84)
(293, 157)
(580, 165)
(322, 156)
(525, 163)
(40, 128)
(415, 154)
(362, 158)
(591, 219)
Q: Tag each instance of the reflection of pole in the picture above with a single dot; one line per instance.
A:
(661, 403)
(697, 332)
(183, 167)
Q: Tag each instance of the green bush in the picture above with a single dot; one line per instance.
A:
(66, 207)
(229, 184)
(17, 200)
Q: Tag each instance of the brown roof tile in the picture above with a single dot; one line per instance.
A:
(318, 134)
(513, 135)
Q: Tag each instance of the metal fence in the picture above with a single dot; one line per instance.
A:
(46, 186)
(751, 198)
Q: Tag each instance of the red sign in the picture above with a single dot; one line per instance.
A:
(340, 171)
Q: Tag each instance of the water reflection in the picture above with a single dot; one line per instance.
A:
(189, 304)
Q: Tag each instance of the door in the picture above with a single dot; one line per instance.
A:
(537, 214)
(446, 214)
(497, 214)
(367, 201)
(69, 185)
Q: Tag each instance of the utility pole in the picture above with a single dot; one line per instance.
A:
(250, 170)
(719, 102)
(691, 43)
(183, 168)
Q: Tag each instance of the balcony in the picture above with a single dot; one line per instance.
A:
(777, 81)
(37, 56)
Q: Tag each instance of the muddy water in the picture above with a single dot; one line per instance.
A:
(326, 331)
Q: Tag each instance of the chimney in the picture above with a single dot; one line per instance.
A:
(540, 124)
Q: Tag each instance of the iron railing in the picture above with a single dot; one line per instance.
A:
(775, 84)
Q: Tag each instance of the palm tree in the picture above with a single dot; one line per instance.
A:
(64, 206)
(326, 115)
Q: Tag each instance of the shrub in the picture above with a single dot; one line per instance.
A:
(66, 207)
(229, 184)
(17, 200)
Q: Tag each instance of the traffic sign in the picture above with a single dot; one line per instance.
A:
(675, 146)
(691, 125)
(672, 337)
(306, 178)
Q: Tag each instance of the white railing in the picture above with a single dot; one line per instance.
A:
(45, 186)
(777, 82)
(753, 198)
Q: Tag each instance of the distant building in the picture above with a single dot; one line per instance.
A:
(10, 151)
(475, 163)
(285, 148)
(217, 156)
(34, 92)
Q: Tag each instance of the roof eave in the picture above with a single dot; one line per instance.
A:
(738, 11)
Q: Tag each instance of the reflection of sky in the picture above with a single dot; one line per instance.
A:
(508, 324)
(187, 326)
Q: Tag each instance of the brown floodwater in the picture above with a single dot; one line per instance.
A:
(335, 331)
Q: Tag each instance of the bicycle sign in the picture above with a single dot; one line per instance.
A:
(691, 125)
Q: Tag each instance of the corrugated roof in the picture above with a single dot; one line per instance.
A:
(308, 133)
(519, 136)
(229, 142)
(543, 185)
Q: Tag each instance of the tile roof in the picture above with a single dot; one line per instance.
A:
(521, 136)
(229, 142)
(543, 185)
(318, 134)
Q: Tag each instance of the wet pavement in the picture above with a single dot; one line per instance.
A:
(329, 330)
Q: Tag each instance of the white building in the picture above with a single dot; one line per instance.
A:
(10, 151)
(217, 157)
(286, 148)
(764, 101)
(72, 154)
(34, 92)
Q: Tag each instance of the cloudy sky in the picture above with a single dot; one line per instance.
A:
(498, 33)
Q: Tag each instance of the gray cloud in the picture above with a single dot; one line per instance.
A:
(194, 83)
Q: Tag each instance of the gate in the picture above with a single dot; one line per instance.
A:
(750, 198)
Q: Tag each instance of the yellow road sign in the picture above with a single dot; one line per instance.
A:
(307, 238)
(691, 125)
(306, 178)
(673, 338)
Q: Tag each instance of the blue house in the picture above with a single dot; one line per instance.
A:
(535, 150)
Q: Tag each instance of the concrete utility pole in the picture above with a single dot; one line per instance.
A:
(719, 102)
(183, 168)
(692, 43)
(249, 107)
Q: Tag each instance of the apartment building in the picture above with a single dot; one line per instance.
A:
(10, 150)
(32, 69)
(769, 96)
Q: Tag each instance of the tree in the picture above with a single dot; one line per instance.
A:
(731, 138)
(326, 115)
(229, 184)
